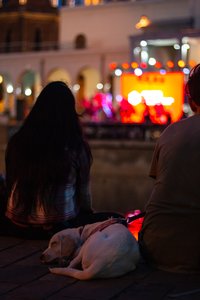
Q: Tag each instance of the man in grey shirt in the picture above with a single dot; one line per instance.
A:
(170, 236)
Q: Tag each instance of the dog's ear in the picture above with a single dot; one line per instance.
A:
(68, 245)
(88, 229)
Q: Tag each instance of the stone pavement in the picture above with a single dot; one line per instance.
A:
(23, 277)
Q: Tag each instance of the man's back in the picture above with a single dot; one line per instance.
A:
(171, 232)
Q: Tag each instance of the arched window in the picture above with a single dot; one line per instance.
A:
(80, 41)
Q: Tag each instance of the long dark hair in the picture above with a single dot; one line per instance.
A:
(39, 155)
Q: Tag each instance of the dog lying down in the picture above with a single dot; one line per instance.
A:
(100, 250)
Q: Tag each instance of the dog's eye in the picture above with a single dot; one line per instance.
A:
(53, 244)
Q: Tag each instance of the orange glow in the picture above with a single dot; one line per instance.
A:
(143, 22)
(134, 65)
(91, 2)
(22, 2)
(192, 63)
(135, 226)
(125, 66)
(160, 96)
(170, 64)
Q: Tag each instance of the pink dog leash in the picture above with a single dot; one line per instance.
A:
(111, 221)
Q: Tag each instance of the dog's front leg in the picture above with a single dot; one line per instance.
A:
(76, 261)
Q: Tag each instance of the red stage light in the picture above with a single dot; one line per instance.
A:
(113, 66)
(143, 65)
(158, 65)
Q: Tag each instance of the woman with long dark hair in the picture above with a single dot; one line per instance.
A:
(48, 166)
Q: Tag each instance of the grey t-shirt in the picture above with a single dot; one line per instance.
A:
(170, 237)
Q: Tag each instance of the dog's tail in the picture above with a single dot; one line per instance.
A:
(85, 274)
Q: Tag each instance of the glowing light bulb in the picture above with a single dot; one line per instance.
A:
(9, 89)
(138, 72)
(28, 92)
(118, 72)
(152, 61)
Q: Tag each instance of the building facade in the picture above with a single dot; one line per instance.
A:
(80, 42)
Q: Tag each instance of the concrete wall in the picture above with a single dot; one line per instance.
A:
(119, 175)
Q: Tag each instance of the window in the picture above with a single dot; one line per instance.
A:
(80, 41)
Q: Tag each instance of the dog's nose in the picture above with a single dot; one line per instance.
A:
(42, 258)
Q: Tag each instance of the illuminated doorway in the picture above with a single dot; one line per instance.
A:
(59, 75)
(87, 86)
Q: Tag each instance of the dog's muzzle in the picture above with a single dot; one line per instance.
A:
(57, 262)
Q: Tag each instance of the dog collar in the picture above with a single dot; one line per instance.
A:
(106, 224)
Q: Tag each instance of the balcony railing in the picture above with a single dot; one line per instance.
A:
(24, 46)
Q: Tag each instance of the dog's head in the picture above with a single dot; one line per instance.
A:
(63, 244)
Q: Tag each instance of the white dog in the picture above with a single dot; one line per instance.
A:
(100, 250)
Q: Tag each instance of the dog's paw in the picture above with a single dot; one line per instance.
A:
(60, 271)
(54, 270)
